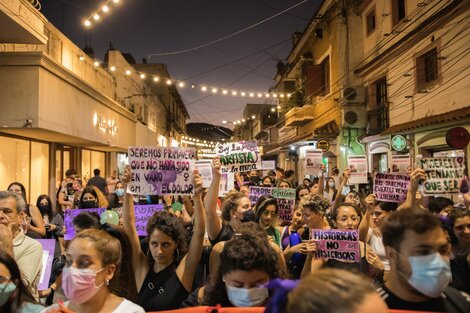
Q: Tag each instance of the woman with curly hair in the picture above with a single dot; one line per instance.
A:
(164, 275)
(248, 263)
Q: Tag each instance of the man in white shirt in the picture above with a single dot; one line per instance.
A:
(26, 251)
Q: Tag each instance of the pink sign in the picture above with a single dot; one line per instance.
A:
(337, 244)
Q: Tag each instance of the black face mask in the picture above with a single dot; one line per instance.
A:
(89, 204)
(254, 179)
(43, 208)
(248, 216)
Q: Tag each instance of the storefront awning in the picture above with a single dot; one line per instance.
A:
(438, 121)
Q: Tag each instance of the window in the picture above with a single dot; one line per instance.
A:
(426, 69)
(370, 21)
(398, 11)
(318, 79)
(90, 161)
(377, 113)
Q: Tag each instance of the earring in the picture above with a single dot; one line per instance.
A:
(107, 282)
(177, 254)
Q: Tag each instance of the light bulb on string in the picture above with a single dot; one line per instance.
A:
(105, 8)
(156, 79)
(96, 17)
(128, 72)
(87, 23)
(181, 84)
(142, 76)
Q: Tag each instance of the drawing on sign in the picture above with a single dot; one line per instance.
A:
(161, 171)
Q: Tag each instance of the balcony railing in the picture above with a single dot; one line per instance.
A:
(35, 4)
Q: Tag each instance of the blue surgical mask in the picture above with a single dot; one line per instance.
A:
(430, 274)
(5, 292)
(243, 297)
(119, 192)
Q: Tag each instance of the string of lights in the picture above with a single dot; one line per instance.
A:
(95, 16)
(204, 88)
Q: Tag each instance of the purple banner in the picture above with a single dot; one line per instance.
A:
(69, 216)
(337, 244)
(48, 247)
(391, 187)
(142, 215)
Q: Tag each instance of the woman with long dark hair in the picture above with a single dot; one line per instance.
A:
(14, 295)
(54, 223)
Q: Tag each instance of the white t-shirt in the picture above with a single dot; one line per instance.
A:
(378, 247)
(126, 306)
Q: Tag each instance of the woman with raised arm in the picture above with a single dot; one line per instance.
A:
(164, 275)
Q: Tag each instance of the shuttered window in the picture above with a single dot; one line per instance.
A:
(426, 69)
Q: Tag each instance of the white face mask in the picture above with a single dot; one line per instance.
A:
(243, 297)
(331, 184)
(430, 274)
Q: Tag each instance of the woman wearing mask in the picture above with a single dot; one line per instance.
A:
(330, 189)
(266, 216)
(33, 224)
(247, 263)
(91, 276)
(164, 274)
(236, 209)
(116, 199)
(14, 295)
(89, 199)
(54, 223)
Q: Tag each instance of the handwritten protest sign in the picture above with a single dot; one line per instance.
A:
(239, 156)
(69, 216)
(48, 247)
(391, 187)
(337, 244)
(205, 169)
(227, 182)
(142, 215)
(400, 163)
(257, 192)
(313, 162)
(285, 202)
(161, 171)
(285, 199)
(358, 166)
(443, 175)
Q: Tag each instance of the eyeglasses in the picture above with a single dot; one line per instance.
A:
(4, 279)
(269, 213)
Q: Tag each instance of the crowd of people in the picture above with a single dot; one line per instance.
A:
(210, 250)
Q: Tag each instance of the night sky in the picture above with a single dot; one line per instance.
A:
(246, 61)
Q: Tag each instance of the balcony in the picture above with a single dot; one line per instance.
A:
(21, 22)
(299, 116)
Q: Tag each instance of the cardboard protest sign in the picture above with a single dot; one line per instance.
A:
(285, 199)
(257, 192)
(443, 175)
(161, 171)
(69, 216)
(285, 202)
(358, 166)
(227, 183)
(391, 187)
(240, 156)
(142, 215)
(205, 169)
(400, 163)
(313, 162)
(48, 247)
(337, 244)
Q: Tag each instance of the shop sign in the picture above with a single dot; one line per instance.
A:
(457, 137)
(323, 144)
(398, 143)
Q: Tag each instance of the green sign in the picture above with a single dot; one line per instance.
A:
(398, 142)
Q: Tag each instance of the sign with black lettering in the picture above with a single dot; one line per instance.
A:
(443, 175)
(161, 171)
(337, 244)
(240, 156)
(391, 187)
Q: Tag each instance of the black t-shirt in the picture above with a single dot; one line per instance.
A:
(460, 273)
(396, 303)
(226, 233)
